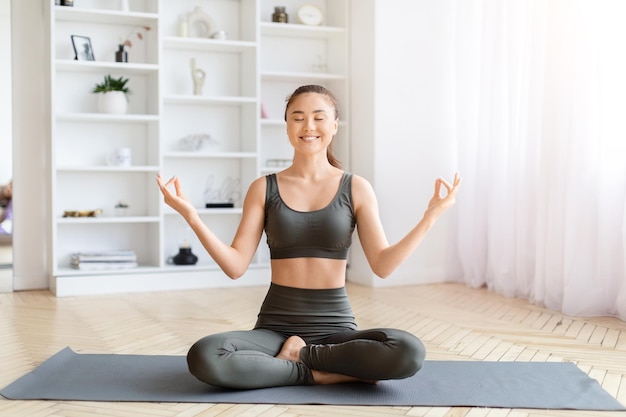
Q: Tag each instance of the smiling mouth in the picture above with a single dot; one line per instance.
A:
(309, 138)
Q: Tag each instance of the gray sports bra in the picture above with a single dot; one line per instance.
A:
(324, 233)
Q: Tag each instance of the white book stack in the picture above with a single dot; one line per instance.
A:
(121, 259)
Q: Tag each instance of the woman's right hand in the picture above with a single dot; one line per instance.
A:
(177, 200)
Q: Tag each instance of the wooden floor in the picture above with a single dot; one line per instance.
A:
(455, 323)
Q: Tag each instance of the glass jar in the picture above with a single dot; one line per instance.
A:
(280, 16)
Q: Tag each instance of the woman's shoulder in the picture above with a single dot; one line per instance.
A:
(255, 195)
(362, 191)
(258, 185)
(359, 183)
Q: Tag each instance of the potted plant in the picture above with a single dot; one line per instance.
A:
(112, 95)
(121, 208)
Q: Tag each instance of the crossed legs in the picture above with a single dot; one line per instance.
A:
(245, 360)
(261, 358)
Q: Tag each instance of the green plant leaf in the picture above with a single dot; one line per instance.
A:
(112, 84)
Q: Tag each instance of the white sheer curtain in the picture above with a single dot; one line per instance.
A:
(541, 135)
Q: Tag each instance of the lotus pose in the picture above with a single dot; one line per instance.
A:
(306, 332)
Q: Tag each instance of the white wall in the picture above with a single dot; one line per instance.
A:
(31, 127)
(362, 112)
(6, 143)
(402, 127)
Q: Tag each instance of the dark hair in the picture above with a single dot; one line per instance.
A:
(318, 89)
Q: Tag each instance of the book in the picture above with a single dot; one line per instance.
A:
(124, 256)
(103, 266)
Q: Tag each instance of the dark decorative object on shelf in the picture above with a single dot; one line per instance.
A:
(67, 3)
(121, 55)
(219, 205)
(224, 197)
(280, 16)
(184, 257)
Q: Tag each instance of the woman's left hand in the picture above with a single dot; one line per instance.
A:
(440, 203)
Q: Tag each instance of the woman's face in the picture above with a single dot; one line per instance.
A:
(311, 123)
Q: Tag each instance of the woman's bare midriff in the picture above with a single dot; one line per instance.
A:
(312, 273)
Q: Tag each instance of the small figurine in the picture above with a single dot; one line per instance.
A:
(82, 213)
(197, 141)
(198, 77)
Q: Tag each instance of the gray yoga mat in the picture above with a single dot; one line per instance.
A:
(144, 378)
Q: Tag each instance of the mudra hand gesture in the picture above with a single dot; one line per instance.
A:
(440, 203)
(177, 200)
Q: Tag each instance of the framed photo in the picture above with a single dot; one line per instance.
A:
(82, 48)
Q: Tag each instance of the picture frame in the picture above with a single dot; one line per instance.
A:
(82, 48)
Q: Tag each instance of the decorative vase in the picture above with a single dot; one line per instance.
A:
(185, 257)
(280, 16)
(121, 55)
(112, 102)
(200, 24)
(183, 26)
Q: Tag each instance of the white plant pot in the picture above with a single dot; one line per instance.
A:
(112, 102)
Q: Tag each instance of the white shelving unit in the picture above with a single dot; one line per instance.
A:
(295, 54)
(226, 110)
(256, 65)
(82, 138)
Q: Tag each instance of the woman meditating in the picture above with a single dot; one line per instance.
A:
(306, 332)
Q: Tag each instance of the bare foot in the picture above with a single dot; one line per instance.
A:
(291, 352)
(291, 349)
(326, 378)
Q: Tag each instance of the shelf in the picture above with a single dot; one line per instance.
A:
(297, 76)
(108, 219)
(271, 170)
(211, 211)
(300, 31)
(220, 155)
(235, 210)
(201, 44)
(210, 267)
(102, 117)
(206, 100)
(86, 272)
(100, 66)
(67, 271)
(114, 17)
(107, 168)
(273, 122)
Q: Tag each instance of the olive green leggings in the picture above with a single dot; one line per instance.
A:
(246, 359)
